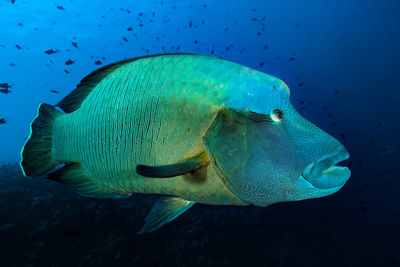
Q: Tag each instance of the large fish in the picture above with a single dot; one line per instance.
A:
(196, 128)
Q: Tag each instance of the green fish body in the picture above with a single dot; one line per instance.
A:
(187, 126)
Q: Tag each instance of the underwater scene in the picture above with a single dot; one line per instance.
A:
(199, 133)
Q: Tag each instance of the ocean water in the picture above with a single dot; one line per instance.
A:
(340, 59)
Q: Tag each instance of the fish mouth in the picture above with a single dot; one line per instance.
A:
(325, 174)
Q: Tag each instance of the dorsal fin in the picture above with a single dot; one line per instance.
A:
(74, 100)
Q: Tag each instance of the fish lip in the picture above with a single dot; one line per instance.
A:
(327, 189)
(327, 161)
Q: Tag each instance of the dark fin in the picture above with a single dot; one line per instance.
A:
(188, 165)
(74, 100)
(165, 210)
(73, 176)
(36, 158)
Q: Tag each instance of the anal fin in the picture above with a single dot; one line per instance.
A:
(165, 210)
(74, 177)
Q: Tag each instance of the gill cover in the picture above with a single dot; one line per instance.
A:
(256, 161)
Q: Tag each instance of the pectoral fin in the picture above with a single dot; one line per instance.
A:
(188, 165)
(165, 210)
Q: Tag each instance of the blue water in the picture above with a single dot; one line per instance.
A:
(340, 59)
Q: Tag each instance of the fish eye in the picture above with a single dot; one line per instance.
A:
(276, 115)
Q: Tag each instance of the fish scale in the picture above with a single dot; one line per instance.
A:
(134, 82)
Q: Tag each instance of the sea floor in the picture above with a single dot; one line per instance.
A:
(43, 223)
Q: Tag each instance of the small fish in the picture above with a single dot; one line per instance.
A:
(12, 1)
(5, 85)
(18, 47)
(300, 84)
(3, 121)
(98, 62)
(265, 47)
(66, 71)
(51, 51)
(75, 44)
(364, 209)
(60, 7)
(291, 59)
(129, 29)
(223, 134)
(54, 91)
(126, 40)
(69, 62)
(336, 92)
(5, 91)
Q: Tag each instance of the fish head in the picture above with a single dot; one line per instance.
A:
(266, 152)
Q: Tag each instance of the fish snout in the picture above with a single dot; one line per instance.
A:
(323, 173)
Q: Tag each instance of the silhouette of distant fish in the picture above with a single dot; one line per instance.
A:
(54, 91)
(5, 91)
(5, 85)
(51, 51)
(2, 121)
(5, 88)
(69, 62)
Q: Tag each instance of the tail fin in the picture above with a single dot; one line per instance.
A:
(36, 155)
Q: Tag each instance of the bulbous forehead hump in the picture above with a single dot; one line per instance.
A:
(257, 91)
(250, 78)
